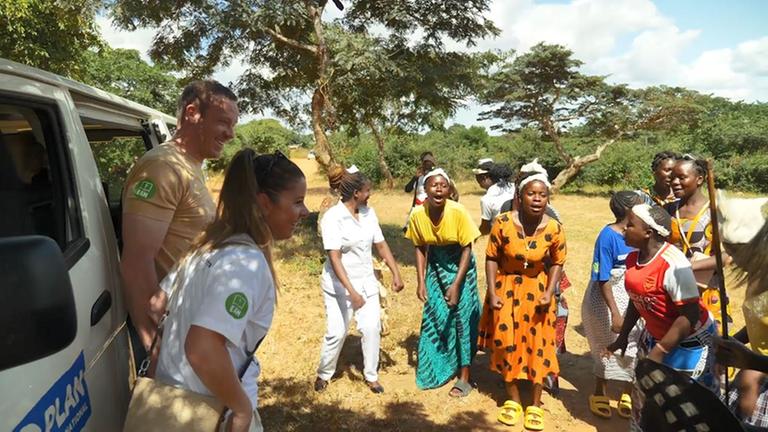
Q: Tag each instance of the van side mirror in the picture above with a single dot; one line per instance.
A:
(37, 313)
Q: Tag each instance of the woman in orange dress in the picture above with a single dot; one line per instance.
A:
(524, 260)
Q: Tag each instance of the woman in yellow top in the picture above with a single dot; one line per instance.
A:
(442, 232)
(692, 228)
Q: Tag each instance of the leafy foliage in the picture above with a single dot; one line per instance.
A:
(294, 56)
(544, 89)
(124, 73)
(51, 35)
(264, 136)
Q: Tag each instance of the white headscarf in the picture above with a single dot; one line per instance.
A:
(436, 172)
(643, 212)
(534, 167)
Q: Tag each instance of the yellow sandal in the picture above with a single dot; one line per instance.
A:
(624, 407)
(600, 406)
(534, 418)
(510, 413)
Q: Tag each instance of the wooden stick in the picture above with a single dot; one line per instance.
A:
(716, 249)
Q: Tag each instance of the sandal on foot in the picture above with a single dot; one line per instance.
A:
(320, 384)
(510, 413)
(534, 418)
(375, 387)
(600, 406)
(625, 406)
(462, 386)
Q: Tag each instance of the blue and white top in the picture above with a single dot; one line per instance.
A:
(610, 254)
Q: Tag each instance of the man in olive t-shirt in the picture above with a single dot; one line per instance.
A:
(166, 204)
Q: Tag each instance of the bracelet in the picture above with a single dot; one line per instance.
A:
(661, 347)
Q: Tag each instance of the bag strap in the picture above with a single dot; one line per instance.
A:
(144, 367)
(249, 360)
(686, 236)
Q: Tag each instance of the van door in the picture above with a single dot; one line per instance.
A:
(49, 185)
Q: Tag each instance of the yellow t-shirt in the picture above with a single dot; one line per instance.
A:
(456, 226)
(167, 185)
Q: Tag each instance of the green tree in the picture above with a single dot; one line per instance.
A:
(391, 86)
(545, 90)
(264, 135)
(51, 35)
(124, 73)
(286, 46)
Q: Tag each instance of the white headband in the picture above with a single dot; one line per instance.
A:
(436, 172)
(643, 212)
(353, 169)
(534, 166)
(542, 177)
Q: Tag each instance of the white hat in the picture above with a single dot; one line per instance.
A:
(483, 166)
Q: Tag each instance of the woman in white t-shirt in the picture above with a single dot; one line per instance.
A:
(496, 179)
(222, 295)
(349, 229)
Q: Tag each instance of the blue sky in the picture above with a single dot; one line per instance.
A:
(718, 47)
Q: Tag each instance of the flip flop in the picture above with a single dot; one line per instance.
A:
(510, 413)
(464, 387)
(624, 408)
(600, 406)
(534, 418)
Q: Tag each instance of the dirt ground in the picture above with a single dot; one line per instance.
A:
(290, 352)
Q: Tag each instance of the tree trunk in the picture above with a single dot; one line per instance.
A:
(575, 166)
(322, 149)
(383, 167)
(320, 102)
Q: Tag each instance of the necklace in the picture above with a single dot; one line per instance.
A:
(527, 244)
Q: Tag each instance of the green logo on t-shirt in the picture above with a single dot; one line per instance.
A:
(236, 305)
(144, 189)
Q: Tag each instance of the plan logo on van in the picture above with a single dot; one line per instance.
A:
(144, 189)
(64, 407)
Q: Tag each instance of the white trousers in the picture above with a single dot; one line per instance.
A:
(338, 310)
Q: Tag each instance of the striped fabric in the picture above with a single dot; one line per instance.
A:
(448, 339)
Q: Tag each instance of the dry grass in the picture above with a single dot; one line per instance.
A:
(290, 353)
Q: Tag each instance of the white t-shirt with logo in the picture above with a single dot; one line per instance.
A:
(494, 198)
(354, 238)
(229, 291)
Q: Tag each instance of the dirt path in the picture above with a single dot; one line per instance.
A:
(290, 353)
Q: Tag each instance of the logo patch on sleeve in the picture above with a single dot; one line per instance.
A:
(236, 305)
(144, 189)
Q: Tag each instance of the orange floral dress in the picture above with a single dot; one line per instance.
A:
(520, 337)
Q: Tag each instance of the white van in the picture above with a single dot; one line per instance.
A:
(65, 360)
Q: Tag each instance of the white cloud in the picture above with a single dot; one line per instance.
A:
(140, 40)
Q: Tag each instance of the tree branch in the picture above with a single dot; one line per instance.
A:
(291, 42)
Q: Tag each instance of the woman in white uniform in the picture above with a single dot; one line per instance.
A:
(349, 229)
(496, 179)
(222, 295)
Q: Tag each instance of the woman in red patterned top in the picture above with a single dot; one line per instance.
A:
(678, 328)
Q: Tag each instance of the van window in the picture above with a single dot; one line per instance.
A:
(37, 193)
(115, 150)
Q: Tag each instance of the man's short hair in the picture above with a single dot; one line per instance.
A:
(202, 93)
